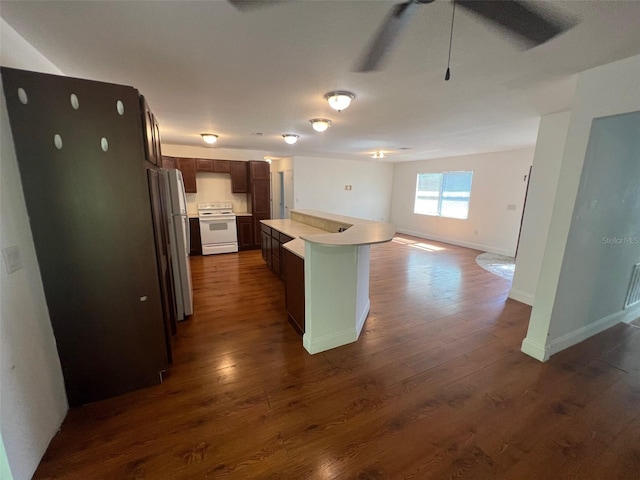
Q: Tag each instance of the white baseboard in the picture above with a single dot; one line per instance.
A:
(327, 342)
(535, 350)
(569, 339)
(362, 317)
(475, 246)
(522, 297)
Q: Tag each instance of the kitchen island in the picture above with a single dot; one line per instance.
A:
(333, 250)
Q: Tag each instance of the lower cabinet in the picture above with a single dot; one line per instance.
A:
(195, 247)
(244, 226)
(272, 250)
(293, 267)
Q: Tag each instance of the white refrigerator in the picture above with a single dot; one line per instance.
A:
(178, 223)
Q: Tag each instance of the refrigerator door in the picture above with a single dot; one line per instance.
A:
(180, 228)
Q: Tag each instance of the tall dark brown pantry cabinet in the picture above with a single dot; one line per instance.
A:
(81, 154)
(259, 196)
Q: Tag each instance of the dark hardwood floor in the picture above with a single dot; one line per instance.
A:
(435, 388)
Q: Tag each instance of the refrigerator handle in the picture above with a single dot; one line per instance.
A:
(188, 229)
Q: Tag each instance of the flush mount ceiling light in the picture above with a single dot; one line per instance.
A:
(378, 155)
(290, 138)
(339, 100)
(209, 138)
(320, 124)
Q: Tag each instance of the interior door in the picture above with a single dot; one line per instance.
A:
(288, 193)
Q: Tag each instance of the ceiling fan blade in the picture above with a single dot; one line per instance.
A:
(533, 27)
(386, 36)
(248, 5)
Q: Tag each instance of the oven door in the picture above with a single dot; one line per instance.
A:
(218, 235)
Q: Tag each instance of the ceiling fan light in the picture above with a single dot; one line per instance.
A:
(320, 124)
(209, 138)
(290, 138)
(339, 100)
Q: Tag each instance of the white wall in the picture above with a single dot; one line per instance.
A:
(557, 321)
(547, 159)
(319, 184)
(498, 181)
(33, 402)
(213, 186)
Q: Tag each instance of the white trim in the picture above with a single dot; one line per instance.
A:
(521, 296)
(535, 350)
(475, 246)
(363, 316)
(327, 342)
(569, 339)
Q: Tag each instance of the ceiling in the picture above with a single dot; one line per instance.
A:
(207, 67)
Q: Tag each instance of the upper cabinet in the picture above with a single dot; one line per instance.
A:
(259, 170)
(169, 162)
(212, 165)
(239, 180)
(188, 168)
(151, 133)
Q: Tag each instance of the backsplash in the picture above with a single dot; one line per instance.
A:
(214, 187)
(323, 223)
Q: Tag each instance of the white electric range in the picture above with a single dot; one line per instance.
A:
(217, 228)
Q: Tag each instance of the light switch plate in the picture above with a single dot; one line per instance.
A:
(12, 260)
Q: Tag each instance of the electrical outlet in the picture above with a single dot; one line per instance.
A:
(12, 260)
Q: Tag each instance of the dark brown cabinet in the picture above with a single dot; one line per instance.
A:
(259, 195)
(168, 162)
(151, 133)
(239, 177)
(293, 267)
(99, 266)
(188, 168)
(271, 242)
(212, 165)
(195, 246)
(244, 226)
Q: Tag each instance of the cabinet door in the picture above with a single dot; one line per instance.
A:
(222, 166)
(168, 162)
(239, 180)
(257, 240)
(261, 197)
(195, 248)
(266, 244)
(204, 165)
(188, 168)
(293, 267)
(244, 226)
(259, 170)
(149, 126)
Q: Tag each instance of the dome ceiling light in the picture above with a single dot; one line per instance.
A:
(290, 138)
(378, 155)
(209, 138)
(339, 100)
(320, 124)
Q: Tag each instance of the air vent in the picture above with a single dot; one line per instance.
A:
(633, 294)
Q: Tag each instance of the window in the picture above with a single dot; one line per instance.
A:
(443, 194)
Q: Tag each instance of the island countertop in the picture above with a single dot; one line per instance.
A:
(358, 231)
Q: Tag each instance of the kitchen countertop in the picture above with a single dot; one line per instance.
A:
(361, 232)
(293, 229)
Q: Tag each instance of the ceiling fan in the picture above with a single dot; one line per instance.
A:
(531, 26)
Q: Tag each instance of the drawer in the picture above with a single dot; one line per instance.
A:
(265, 229)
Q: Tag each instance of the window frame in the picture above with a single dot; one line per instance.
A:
(440, 196)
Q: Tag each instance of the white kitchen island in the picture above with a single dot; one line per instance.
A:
(336, 272)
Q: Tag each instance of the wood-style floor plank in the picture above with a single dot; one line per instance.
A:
(435, 388)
